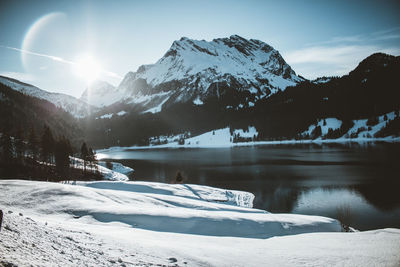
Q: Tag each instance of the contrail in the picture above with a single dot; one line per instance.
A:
(58, 59)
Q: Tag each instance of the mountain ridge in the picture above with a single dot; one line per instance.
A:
(193, 70)
(74, 106)
(94, 94)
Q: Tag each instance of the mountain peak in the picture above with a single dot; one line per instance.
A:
(95, 93)
(199, 69)
(192, 67)
(191, 54)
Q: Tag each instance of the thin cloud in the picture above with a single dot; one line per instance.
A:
(388, 37)
(313, 62)
(386, 31)
(383, 35)
(341, 54)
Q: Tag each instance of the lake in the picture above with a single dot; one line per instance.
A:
(358, 183)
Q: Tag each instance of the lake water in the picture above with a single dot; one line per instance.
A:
(359, 183)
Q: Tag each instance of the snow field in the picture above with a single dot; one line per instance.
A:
(104, 224)
(185, 208)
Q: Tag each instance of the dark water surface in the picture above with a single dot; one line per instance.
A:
(359, 184)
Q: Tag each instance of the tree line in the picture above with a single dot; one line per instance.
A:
(44, 157)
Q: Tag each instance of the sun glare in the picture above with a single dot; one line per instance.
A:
(87, 68)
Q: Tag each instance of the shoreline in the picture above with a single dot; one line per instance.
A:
(319, 141)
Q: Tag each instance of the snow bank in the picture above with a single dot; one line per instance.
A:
(192, 191)
(118, 174)
(117, 167)
(167, 208)
(50, 231)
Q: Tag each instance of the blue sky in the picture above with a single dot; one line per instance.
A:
(45, 42)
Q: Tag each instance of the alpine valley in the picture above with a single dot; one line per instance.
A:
(227, 83)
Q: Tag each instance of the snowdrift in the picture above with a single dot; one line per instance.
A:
(146, 224)
(189, 209)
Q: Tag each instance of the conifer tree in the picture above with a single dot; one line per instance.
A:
(33, 144)
(6, 148)
(84, 156)
(62, 156)
(19, 144)
(92, 158)
(47, 145)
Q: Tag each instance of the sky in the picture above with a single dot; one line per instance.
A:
(62, 46)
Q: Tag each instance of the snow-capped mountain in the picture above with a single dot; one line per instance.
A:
(235, 69)
(100, 94)
(74, 106)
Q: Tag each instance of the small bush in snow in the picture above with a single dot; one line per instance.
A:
(345, 215)
(179, 178)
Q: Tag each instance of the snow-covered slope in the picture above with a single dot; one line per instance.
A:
(74, 106)
(119, 172)
(149, 224)
(100, 94)
(192, 70)
(117, 167)
(190, 209)
(325, 124)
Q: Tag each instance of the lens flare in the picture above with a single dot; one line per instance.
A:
(87, 68)
(34, 30)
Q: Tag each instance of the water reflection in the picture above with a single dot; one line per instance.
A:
(362, 214)
(309, 179)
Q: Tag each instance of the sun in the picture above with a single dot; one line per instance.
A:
(87, 68)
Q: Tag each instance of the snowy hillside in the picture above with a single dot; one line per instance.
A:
(117, 167)
(74, 106)
(144, 224)
(226, 137)
(100, 94)
(118, 172)
(325, 124)
(193, 70)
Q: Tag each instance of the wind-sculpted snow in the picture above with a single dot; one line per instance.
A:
(152, 224)
(190, 209)
(192, 191)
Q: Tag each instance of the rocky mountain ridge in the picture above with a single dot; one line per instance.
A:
(239, 70)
